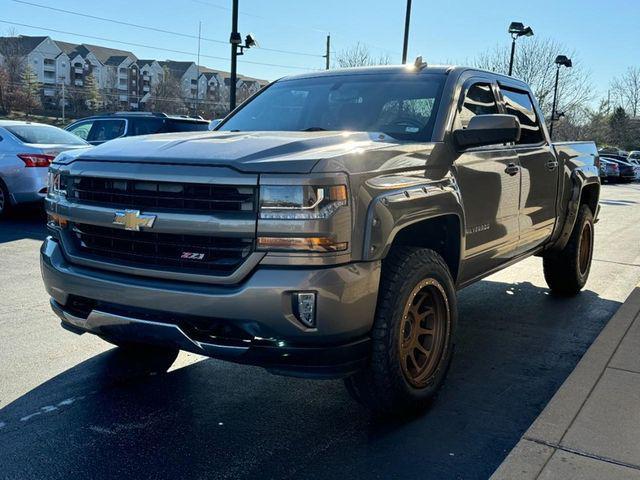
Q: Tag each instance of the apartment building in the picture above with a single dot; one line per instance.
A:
(125, 81)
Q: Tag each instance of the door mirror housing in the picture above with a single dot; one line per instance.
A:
(488, 130)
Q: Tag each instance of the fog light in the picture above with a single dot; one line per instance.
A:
(304, 304)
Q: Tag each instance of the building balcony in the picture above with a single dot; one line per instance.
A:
(49, 68)
(78, 83)
(78, 70)
(146, 88)
(146, 78)
(123, 98)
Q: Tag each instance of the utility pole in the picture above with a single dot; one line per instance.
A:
(407, 21)
(328, 52)
(235, 40)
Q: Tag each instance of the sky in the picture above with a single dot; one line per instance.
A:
(605, 35)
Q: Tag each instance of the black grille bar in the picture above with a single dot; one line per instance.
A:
(161, 196)
(163, 251)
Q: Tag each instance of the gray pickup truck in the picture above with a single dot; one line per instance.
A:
(323, 229)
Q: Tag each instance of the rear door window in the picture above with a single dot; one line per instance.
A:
(186, 126)
(519, 104)
(146, 126)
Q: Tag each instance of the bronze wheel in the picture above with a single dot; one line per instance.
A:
(586, 241)
(412, 338)
(423, 334)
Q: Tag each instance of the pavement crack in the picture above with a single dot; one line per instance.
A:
(582, 453)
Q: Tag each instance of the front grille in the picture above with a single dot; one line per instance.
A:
(162, 251)
(179, 197)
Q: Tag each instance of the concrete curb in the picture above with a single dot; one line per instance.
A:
(543, 451)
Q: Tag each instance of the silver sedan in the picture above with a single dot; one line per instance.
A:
(26, 150)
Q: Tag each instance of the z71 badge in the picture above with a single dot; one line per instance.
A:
(192, 256)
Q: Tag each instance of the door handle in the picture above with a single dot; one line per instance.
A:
(551, 164)
(512, 169)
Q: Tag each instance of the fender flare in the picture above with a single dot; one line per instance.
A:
(580, 178)
(392, 211)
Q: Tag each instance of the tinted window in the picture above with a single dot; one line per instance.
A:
(146, 126)
(400, 105)
(186, 126)
(479, 100)
(520, 105)
(43, 134)
(103, 130)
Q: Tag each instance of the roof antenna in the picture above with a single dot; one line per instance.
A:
(419, 63)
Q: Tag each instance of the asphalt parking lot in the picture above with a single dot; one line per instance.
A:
(69, 409)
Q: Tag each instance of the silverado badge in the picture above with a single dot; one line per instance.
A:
(133, 219)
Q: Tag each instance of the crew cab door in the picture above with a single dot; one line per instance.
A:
(539, 171)
(489, 181)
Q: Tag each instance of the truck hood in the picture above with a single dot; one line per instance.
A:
(252, 152)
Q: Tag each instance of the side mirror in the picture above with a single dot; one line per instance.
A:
(488, 130)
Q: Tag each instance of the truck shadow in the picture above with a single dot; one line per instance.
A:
(515, 347)
(23, 222)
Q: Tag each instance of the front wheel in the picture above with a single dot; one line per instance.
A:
(566, 271)
(412, 337)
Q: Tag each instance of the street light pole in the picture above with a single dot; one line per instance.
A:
(407, 21)
(235, 41)
(513, 53)
(516, 30)
(559, 61)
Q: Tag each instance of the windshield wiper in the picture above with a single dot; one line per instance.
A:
(314, 129)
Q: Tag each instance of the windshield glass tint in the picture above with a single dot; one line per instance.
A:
(401, 105)
(178, 126)
(44, 134)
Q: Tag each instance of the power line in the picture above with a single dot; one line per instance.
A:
(154, 29)
(149, 46)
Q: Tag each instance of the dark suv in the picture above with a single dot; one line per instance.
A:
(100, 128)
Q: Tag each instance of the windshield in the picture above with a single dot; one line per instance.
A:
(44, 134)
(402, 105)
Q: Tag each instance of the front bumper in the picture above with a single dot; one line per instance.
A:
(164, 312)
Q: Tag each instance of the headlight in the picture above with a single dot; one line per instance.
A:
(301, 202)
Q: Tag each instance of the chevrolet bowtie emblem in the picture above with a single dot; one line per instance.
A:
(133, 219)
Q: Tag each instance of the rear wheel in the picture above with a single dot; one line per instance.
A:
(5, 203)
(566, 272)
(412, 337)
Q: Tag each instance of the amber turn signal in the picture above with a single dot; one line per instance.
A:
(302, 244)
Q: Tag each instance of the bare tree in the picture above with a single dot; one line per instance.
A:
(167, 96)
(626, 90)
(359, 55)
(534, 64)
(11, 71)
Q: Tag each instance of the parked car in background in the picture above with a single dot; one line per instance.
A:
(634, 155)
(609, 171)
(627, 170)
(214, 123)
(26, 150)
(101, 128)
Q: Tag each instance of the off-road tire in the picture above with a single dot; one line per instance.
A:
(384, 385)
(566, 271)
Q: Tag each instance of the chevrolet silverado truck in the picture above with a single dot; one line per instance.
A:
(323, 229)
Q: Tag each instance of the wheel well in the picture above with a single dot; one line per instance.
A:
(441, 234)
(589, 196)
